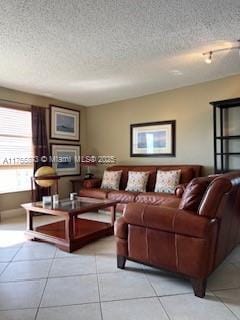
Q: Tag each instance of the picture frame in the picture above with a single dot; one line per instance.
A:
(66, 159)
(64, 123)
(153, 139)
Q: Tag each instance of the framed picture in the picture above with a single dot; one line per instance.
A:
(154, 139)
(66, 159)
(64, 123)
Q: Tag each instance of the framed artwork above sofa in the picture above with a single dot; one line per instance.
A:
(153, 139)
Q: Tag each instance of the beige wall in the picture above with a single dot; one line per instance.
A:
(108, 126)
(10, 201)
(105, 130)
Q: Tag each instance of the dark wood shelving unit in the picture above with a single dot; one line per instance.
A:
(228, 137)
(224, 139)
(228, 153)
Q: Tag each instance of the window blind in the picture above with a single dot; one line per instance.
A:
(15, 137)
(15, 150)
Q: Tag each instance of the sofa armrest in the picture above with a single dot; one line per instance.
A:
(169, 219)
(92, 183)
(179, 190)
(121, 228)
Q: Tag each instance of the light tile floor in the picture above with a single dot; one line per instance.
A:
(39, 281)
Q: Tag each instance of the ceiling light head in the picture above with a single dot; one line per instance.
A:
(208, 58)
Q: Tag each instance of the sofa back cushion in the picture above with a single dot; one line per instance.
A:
(193, 193)
(188, 172)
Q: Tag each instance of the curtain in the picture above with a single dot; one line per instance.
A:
(40, 145)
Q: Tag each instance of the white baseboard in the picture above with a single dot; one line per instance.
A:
(5, 214)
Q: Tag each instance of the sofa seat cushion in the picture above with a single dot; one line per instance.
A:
(94, 193)
(122, 196)
(158, 198)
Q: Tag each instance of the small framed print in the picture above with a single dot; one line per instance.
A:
(66, 159)
(64, 123)
(154, 139)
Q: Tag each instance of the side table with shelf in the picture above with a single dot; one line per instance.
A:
(77, 184)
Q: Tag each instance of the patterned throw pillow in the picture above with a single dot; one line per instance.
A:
(167, 181)
(111, 180)
(137, 181)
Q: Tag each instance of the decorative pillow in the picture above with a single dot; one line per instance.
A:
(137, 181)
(111, 180)
(167, 181)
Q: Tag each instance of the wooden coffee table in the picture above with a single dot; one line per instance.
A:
(72, 232)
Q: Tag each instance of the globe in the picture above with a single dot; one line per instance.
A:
(44, 172)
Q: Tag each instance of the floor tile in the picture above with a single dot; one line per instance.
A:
(7, 254)
(85, 311)
(3, 266)
(26, 314)
(237, 265)
(107, 262)
(165, 283)
(34, 252)
(11, 238)
(25, 270)
(15, 295)
(226, 276)
(70, 290)
(234, 255)
(189, 307)
(124, 285)
(104, 245)
(73, 266)
(86, 250)
(139, 309)
(231, 298)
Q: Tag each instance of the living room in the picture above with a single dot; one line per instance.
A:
(119, 68)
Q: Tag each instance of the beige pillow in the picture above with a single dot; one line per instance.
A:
(111, 180)
(137, 181)
(167, 181)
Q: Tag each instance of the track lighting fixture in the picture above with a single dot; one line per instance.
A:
(208, 58)
(209, 54)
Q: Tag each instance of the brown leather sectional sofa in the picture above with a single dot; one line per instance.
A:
(91, 187)
(192, 239)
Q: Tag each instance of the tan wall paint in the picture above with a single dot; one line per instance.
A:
(108, 126)
(10, 201)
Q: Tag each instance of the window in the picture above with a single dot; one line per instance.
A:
(16, 167)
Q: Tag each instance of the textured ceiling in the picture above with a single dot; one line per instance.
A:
(94, 52)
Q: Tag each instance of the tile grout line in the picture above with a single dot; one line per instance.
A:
(50, 267)
(100, 302)
(220, 300)
(159, 300)
(98, 275)
(11, 260)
